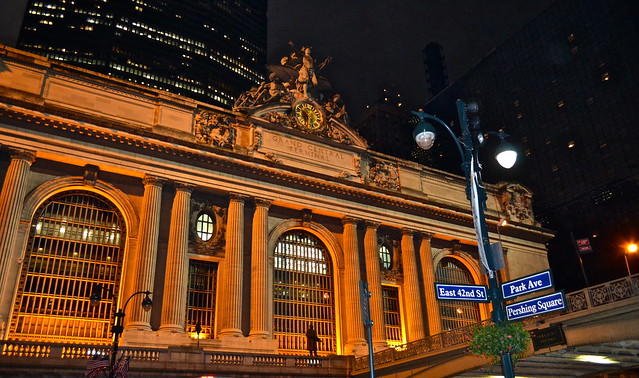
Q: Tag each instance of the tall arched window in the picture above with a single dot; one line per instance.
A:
(75, 242)
(303, 293)
(456, 314)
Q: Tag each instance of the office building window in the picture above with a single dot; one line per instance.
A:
(303, 293)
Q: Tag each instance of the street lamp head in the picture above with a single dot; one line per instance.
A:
(506, 154)
(632, 248)
(147, 302)
(424, 132)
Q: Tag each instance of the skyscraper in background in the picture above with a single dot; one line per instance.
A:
(208, 50)
(435, 65)
(565, 88)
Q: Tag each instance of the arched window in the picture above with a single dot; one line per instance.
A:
(456, 314)
(385, 257)
(303, 293)
(200, 301)
(75, 242)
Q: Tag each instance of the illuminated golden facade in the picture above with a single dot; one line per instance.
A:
(248, 225)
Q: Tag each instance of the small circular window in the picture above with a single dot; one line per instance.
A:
(385, 257)
(204, 226)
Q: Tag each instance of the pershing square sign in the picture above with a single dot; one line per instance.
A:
(536, 306)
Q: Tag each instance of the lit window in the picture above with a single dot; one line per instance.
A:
(605, 76)
(392, 315)
(571, 144)
(303, 293)
(385, 257)
(204, 226)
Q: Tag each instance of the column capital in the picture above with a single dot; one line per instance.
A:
(371, 224)
(408, 231)
(20, 154)
(183, 186)
(263, 202)
(349, 220)
(153, 180)
(426, 235)
(238, 197)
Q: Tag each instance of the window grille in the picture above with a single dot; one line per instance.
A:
(75, 242)
(392, 315)
(456, 314)
(200, 306)
(303, 293)
(204, 227)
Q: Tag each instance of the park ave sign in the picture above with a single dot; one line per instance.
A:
(526, 285)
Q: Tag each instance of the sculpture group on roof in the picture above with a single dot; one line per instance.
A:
(294, 79)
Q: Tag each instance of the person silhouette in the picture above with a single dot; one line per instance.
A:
(311, 341)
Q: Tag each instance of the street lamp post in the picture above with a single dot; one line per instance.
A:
(630, 248)
(468, 144)
(118, 325)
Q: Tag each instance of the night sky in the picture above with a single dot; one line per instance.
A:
(378, 44)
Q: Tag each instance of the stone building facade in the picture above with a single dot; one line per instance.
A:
(248, 226)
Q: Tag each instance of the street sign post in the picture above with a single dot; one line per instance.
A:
(525, 285)
(536, 306)
(473, 293)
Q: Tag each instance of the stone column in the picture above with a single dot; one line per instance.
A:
(177, 263)
(414, 322)
(231, 305)
(355, 341)
(432, 306)
(11, 198)
(261, 275)
(143, 264)
(374, 278)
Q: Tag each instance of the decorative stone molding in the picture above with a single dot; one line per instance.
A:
(516, 201)
(214, 130)
(91, 174)
(383, 174)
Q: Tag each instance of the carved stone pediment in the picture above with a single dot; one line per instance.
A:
(296, 97)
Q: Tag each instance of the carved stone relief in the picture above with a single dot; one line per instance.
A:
(515, 200)
(383, 174)
(214, 129)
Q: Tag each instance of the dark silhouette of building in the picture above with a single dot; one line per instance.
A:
(384, 126)
(208, 50)
(565, 88)
(435, 68)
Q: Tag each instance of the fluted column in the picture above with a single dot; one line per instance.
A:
(177, 263)
(143, 264)
(231, 322)
(354, 326)
(261, 275)
(415, 324)
(11, 198)
(374, 278)
(428, 270)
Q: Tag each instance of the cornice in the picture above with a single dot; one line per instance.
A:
(125, 137)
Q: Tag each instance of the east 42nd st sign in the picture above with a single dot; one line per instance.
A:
(473, 293)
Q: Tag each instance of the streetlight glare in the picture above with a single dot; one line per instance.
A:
(632, 248)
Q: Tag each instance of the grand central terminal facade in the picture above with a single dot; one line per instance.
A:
(246, 225)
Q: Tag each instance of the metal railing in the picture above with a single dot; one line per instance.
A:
(580, 300)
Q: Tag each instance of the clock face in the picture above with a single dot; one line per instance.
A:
(308, 115)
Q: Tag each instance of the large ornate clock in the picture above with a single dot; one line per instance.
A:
(308, 115)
